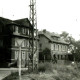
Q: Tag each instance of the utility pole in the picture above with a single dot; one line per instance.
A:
(33, 20)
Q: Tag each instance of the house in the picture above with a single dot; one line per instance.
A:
(53, 41)
(15, 36)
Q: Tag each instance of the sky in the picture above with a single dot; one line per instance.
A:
(52, 15)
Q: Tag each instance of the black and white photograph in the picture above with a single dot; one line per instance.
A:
(39, 39)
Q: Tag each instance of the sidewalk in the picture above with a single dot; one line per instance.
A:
(4, 69)
(4, 72)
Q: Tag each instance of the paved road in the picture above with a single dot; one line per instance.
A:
(4, 73)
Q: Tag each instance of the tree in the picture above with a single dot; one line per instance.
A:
(67, 37)
(76, 51)
(64, 34)
(47, 53)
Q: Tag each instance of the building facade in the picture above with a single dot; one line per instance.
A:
(52, 41)
(15, 37)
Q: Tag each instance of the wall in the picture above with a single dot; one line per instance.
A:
(45, 42)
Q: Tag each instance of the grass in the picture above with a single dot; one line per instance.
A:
(45, 67)
(50, 71)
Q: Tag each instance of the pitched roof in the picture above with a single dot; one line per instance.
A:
(50, 36)
(23, 22)
(5, 21)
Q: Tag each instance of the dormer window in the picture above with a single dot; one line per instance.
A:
(55, 38)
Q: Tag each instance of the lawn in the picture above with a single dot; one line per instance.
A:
(50, 71)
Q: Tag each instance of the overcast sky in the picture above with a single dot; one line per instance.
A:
(52, 15)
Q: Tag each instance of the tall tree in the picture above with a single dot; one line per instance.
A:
(65, 36)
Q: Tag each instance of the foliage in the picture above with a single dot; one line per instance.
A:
(41, 67)
(41, 56)
(67, 37)
(46, 66)
(59, 72)
(45, 54)
(64, 34)
(76, 51)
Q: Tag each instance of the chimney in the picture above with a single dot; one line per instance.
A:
(44, 30)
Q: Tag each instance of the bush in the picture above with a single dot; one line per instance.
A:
(47, 66)
(41, 67)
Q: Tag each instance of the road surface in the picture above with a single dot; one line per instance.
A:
(4, 73)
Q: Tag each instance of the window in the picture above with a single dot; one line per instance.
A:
(40, 45)
(24, 30)
(17, 29)
(13, 54)
(16, 44)
(51, 46)
(58, 57)
(66, 48)
(61, 47)
(1, 43)
(13, 28)
(61, 57)
(27, 43)
(58, 47)
(55, 38)
(54, 46)
(16, 55)
(27, 31)
(0, 29)
(23, 55)
(24, 43)
(13, 41)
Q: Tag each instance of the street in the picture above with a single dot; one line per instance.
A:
(4, 73)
